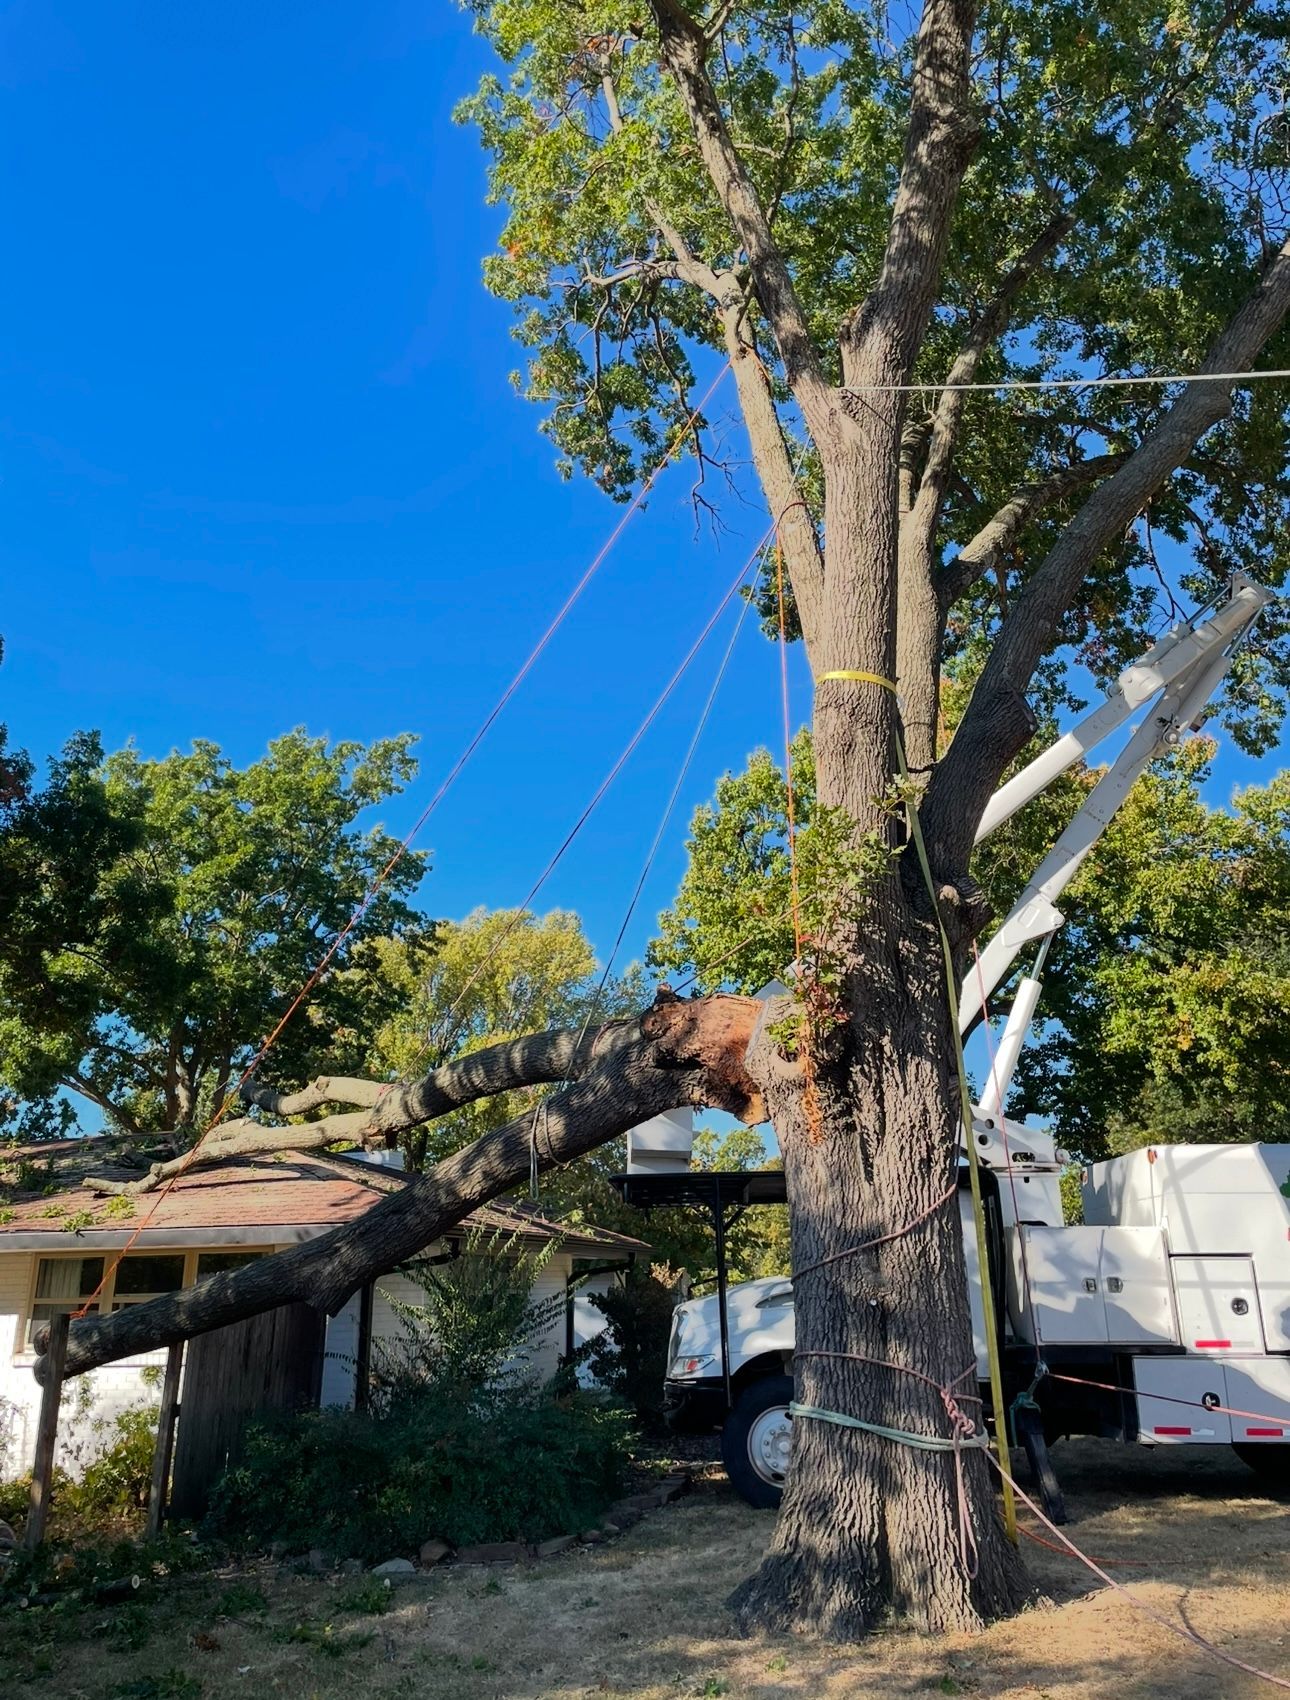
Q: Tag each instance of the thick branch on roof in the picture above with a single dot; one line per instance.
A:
(386, 1110)
(676, 1053)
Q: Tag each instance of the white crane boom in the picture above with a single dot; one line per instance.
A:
(1185, 668)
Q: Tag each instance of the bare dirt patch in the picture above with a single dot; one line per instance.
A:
(1193, 1533)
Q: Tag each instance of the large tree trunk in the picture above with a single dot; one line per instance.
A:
(868, 1124)
(870, 1526)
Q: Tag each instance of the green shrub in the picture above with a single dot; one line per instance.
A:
(509, 1464)
(117, 1480)
(629, 1357)
(476, 1323)
(111, 1489)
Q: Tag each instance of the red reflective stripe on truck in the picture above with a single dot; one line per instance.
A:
(1265, 1433)
(1212, 1345)
(1160, 1430)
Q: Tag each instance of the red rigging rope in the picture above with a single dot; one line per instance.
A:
(405, 844)
(1182, 1631)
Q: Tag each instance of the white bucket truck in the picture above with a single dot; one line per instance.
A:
(1165, 1318)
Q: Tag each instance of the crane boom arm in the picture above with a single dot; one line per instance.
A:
(1187, 666)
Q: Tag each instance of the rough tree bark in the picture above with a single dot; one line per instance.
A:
(867, 1119)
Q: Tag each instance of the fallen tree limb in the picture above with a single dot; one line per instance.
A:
(535, 1059)
(675, 1053)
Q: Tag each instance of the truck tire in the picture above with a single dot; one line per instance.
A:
(756, 1438)
(1272, 1462)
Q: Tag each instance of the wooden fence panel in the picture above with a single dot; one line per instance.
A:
(271, 1362)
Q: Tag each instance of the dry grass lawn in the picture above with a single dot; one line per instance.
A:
(1195, 1533)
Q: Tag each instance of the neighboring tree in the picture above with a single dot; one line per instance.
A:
(496, 975)
(1162, 1019)
(161, 915)
(69, 893)
(1166, 992)
(1044, 190)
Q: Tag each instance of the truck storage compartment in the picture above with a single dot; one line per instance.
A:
(1259, 1389)
(1091, 1286)
(1218, 1304)
(1172, 1396)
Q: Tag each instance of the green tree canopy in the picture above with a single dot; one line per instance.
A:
(160, 915)
(1127, 170)
(1165, 995)
(496, 975)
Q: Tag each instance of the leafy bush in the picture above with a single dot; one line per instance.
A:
(112, 1487)
(460, 1444)
(510, 1464)
(629, 1357)
(117, 1480)
(477, 1323)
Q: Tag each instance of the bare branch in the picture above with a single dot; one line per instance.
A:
(326, 1089)
(998, 720)
(675, 1053)
(683, 49)
(1002, 530)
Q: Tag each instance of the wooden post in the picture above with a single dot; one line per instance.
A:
(363, 1350)
(165, 1440)
(42, 1471)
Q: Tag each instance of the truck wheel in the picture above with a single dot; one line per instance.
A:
(756, 1440)
(1272, 1462)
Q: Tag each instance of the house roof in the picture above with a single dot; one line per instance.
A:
(46, 1204)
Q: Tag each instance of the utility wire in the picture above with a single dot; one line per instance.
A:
(1241, 378)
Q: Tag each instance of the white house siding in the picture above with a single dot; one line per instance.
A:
(341, 1356)
(588, 1322)
(342, 1329)
(102, 1394)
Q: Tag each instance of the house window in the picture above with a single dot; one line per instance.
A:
(65, 1284)
(62, 1286)
(136, 1279)
(223, 1262)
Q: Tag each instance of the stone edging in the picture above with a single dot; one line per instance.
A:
(621, 1515)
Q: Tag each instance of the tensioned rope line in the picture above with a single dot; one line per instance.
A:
(855, 675)
(405, 844)
(540, 1107)
(1130, 382)
(1000, 1462)
(673, 798)
(1278, 1423)
(1182, 1631)
(810, 1090)
(596, 799)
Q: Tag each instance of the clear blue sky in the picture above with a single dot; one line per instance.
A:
(262, 465)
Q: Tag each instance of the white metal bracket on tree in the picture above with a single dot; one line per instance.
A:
(1182, 671)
